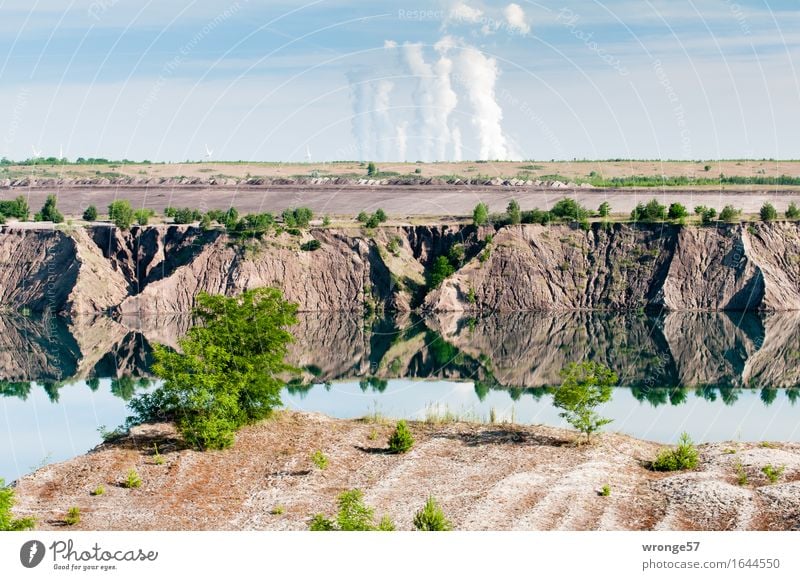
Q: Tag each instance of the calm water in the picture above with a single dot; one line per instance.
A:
(717, 376)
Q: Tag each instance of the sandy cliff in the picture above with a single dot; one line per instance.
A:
(523, 268)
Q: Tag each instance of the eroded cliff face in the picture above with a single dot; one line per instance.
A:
(161, 270)
(529, 268)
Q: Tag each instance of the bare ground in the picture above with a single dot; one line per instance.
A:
(486, 477)
(397, 201)
(569, 169)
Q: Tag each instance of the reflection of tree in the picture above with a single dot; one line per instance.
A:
(793, 393)
(377, 384)
(93, 383)
(768, 396)
(20, 390)
(52, 391)
(123, 387)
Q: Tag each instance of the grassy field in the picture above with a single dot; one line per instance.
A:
(620, 173)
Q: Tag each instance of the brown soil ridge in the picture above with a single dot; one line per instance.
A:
(485, 476)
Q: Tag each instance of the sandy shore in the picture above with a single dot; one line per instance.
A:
(486, 477)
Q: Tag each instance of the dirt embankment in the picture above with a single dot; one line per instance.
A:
(161, 269)
(486, 477)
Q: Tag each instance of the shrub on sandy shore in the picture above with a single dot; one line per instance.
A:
(353, 516)
(431, 518)
(401, 440)
(684, 456)
(7, 522)
(584, 387)
(73, 517)
(132, 480)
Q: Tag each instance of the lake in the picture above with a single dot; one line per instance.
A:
(721, 376)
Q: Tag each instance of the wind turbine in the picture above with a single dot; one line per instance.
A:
(36, 154)
(308, 154)
(209, 153)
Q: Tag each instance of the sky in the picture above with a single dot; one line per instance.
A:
(383, 80)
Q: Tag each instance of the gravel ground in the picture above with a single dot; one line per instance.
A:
(486, 477)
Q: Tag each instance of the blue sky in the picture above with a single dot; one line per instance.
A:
(694, 79)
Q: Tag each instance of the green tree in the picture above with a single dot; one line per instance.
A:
(228, 371)
(90, 213)
(768, 212)
(569, 209)
(604, 210)
(480, 215)
(121, 213)
(707, 214)
(7, 522)
(362, 217)
(442, 269)
(381, 216)
(513, 212)
(372, 170)
(792, 212)
(730, 214)
(584, 386)
(652, 211)
(49, 212)
(16, 208)
(677, 211)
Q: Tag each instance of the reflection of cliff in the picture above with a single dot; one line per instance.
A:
(510, 350)
(40, 349)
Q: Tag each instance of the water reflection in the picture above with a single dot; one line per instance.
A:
(720, 374)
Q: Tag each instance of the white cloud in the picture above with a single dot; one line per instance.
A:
(515, 16)
(389, 44)
(460, 11)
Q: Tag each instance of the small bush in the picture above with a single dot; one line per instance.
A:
(684, 456)
(73, 516)
(792, 212)
(401, 440)
(90, 213)
(768, 212)
(741, 474)
(362, 217)
(311, 246)
(381, 216)
(99, 490)
(431, 518)
(605, 491)
(604, 210)
(773, 474)
(353, 516)
(158, 459)
(143, 216)
(132, 480)
(7, 522)
(319, 459)
(480, 215)
(277, 510)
